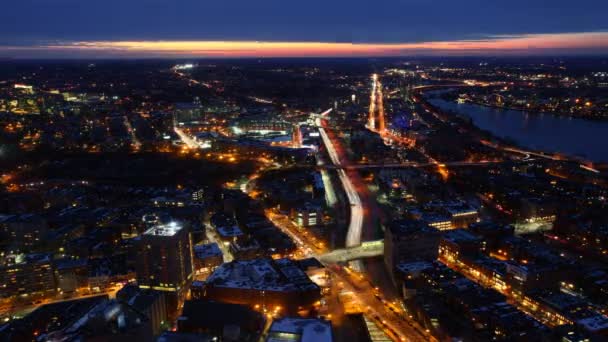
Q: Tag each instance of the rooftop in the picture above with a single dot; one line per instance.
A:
(261, 274)
(414, 266)
(594, 323)
(405, 227)
(211, 314)
(460, 236)
(300, 329)
(207, 250)
(168, 229)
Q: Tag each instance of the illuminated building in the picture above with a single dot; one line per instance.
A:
(260, 124)
(162, 201)
(164, 261)
(271, 285)
(187, 112)
(246, 249)
(307, 215)
(186, 66)
(226, 227)
(30, 277)
(198, 195)
(458, 242)
(533, 276)
(25, 88)
(447, 215)
(439, 221)
(207, 257)
(440, 299)
(150, 220)
(408, 240)
(22, 231)
(463, 217)
(557, 308)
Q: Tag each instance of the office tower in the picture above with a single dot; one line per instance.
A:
(164, 262)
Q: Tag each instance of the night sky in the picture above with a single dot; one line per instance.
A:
(42, 28)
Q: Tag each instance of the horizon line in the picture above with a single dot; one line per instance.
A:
(582, 43)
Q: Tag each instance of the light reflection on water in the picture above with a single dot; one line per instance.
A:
(551, 133)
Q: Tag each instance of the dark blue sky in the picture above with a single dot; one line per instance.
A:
(24, 21)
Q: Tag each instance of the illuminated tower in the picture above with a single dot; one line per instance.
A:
(296, 137)
(164, 262)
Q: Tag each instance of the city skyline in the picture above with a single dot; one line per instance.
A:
(327, 171)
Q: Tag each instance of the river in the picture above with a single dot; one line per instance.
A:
(545, 132)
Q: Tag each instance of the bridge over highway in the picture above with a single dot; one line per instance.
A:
(366, 249)
(414, 165)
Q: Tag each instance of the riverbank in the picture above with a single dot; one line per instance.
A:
(579, 138)
(531, 111)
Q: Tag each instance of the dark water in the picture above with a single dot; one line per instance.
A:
(546, 132)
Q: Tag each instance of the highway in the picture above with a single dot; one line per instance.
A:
(355, 227)
(389, 316)
(372, 103)
(134, 141)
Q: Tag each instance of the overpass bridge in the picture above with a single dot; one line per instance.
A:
(413, 165)
(366, 249)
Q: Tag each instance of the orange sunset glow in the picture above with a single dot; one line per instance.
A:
(523, 44)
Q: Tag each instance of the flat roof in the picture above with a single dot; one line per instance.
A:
(167, 229)
(207, 250)
(460, 235)
(302, 329)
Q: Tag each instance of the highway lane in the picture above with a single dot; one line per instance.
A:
(355, 227)
(389, 318)
(387, 315)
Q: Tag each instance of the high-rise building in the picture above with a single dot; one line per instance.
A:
(186, 112)
(164, 262)
(198, 195)
(409, 240)
(32, 277)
